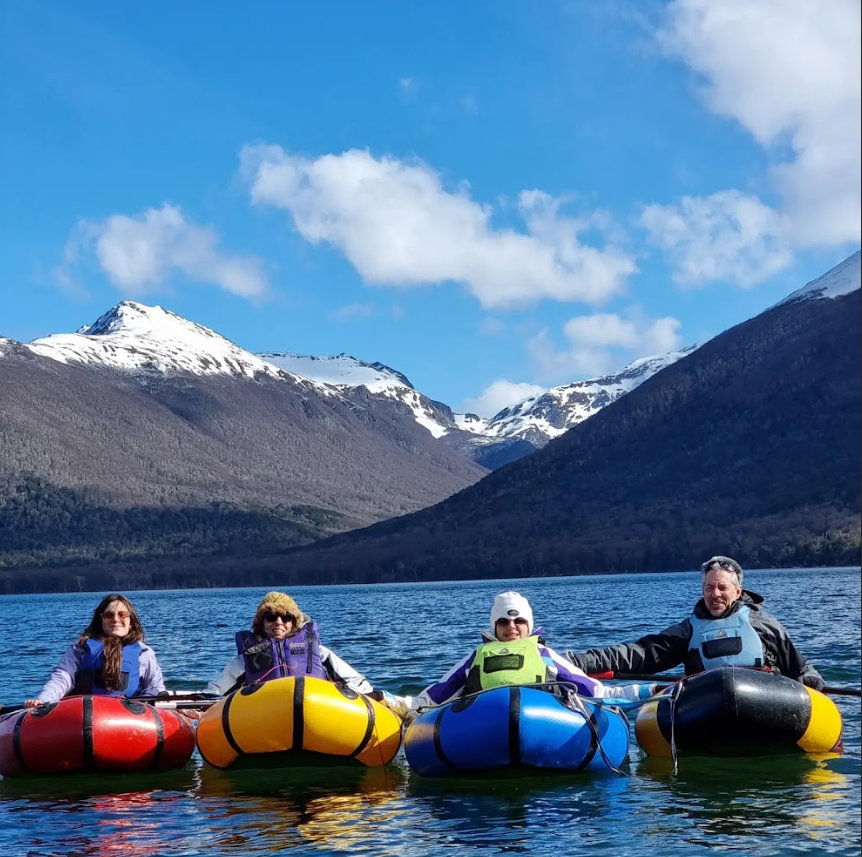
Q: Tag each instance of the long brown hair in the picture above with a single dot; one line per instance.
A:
(113, 650)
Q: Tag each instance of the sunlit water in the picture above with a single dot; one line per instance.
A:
(403, 637)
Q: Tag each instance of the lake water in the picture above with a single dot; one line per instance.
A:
(404, 637)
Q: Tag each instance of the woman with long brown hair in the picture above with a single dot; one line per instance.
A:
(110, 658)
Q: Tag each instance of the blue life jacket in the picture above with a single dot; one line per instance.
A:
(267, 658)
(727, 642)
(90, 677)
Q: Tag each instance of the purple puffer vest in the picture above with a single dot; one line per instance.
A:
(266, 658)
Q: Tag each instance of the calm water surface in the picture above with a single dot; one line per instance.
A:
(403, 637)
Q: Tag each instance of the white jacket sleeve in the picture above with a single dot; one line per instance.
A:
(630, 692)
(230, 675)
(340, 670)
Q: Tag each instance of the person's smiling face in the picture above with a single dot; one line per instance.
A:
(720, 590)
(278, 625)
(116, 621)
(511, 629)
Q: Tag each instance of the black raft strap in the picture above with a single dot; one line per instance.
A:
(438, 741)
(298, 712)
(515, 725)
(369, 728)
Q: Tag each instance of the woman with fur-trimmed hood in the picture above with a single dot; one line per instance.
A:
(283, 641)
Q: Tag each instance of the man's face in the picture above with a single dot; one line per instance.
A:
(720, 589)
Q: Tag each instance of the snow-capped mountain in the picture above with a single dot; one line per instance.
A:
(146, 341)
(840, 280)
(343, 372)
(543, 417)
(536, 420)
(138, 339)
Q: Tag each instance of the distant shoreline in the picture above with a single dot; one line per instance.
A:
(128, 578)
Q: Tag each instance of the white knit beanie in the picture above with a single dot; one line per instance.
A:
(510, 605)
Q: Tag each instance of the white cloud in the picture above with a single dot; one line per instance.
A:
(398, 226)
(788, 72)
(726, 236)
(498, 395)
(355, 310)
(140, 253)
(601, 343)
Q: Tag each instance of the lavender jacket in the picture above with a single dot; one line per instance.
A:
(559, 669)
(62, 678)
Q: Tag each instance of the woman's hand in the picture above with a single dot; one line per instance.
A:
(32, 703)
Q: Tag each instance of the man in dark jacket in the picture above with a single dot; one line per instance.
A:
(728, 627)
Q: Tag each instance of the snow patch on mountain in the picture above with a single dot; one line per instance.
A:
(343, 372)
(339, 370)
(546, 416)
(844, 278)
(135, 338)
(537, 419)
(472, 423)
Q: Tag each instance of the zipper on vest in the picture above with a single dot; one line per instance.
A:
(309, 642)
(283, 672)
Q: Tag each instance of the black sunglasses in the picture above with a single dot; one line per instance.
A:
(719, 566)
(287, 618)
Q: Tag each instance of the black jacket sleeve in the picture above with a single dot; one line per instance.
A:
(650, 654)
(780, 651)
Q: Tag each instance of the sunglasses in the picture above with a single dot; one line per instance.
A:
(720, 566)
(269, 616)
(504, 623)
(120, 614)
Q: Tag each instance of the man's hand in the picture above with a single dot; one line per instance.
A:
(813, 681)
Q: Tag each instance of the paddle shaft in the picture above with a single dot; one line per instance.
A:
(670, 679)
(193, 700)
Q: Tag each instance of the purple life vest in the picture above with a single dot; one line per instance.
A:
(266, 658)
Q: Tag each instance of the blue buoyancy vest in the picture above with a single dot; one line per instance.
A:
(267, 658)
(727, 642)
(90, 676)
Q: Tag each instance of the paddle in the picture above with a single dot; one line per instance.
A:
(670, 679)
(173, 700)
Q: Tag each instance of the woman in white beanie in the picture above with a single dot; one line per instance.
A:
(512, 652)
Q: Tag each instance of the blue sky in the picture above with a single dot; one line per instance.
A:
(489, 197)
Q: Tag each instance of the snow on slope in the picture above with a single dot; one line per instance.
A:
(844, 278)
(339, 370)
(547, 415)
(537, 419)
(135, 338)
(343, 372)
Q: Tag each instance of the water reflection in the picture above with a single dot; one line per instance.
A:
(106, 815)
(751, 799)
(503, 812)
(65, 793)
(276, 810)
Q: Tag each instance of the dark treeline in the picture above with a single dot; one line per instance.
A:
(46, 526)
(801, 548)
